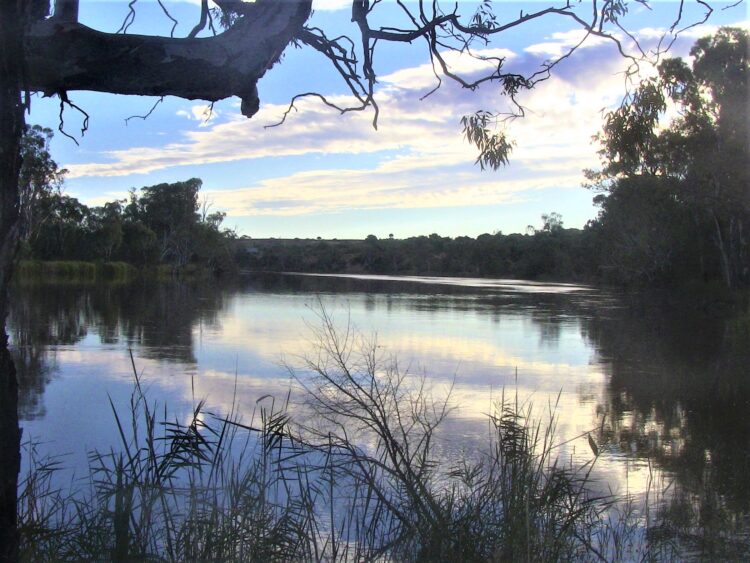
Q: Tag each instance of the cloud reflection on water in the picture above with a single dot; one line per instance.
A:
(573, 347)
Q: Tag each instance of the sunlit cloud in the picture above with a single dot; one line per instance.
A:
(560, 43)
(204, 114)
(691, 33)
(425, 76)
(330, 5)
(342, 190)
(420, 157)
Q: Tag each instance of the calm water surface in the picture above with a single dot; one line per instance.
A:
(658, 389)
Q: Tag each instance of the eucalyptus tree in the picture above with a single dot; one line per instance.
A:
(171, 211)
(658, 171)
(56, 55)
(40, 176)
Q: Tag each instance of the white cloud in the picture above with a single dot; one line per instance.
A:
(561, 42)
(330, 5)
(692, 33)
(423, 76)
(324, 191)
(421, 158)
(204, 114)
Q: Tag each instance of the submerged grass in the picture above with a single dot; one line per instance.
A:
(361, 480)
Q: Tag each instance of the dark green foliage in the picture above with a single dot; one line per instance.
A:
(170, 211)
(552, 252)
(494, 147)
(107, 227)
(39, 178)
(644, 235)
(161, 226)
(676, 200)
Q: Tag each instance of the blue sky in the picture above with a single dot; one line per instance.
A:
(324, 174)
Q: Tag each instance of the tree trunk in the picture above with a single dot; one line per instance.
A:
(726, 269)
(11, 129)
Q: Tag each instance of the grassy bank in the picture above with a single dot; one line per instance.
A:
(363, 480)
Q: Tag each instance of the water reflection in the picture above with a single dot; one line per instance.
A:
(49, 319)
(679, 393)
(674, 388)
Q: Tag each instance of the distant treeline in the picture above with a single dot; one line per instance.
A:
(674, 201)
(165, 224)
(550, 253)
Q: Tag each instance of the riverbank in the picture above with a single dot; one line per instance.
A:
(557, 256)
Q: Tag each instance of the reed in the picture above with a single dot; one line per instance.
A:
(361, 480)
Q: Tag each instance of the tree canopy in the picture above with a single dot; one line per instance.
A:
(56, 55)
(163, 224)
(676, 192)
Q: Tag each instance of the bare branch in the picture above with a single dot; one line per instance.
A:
(203, 20)
(64, 100)
(292, 107)
(129, 18)
(147, 114)
(732, 5)
(446, 32)
(166, 13)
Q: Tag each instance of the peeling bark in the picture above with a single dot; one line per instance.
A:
(65, 55)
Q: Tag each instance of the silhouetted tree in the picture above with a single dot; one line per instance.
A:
(694, 169)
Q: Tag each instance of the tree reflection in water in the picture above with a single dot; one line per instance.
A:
(158, 318)
(677, 390)
(679, 395)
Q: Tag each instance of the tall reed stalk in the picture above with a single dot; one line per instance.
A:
(359, 479)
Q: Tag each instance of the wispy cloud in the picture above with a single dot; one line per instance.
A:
(420, 157)
(324, 191)
(559, 43)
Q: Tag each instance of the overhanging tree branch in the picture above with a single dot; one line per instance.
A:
(62, 56)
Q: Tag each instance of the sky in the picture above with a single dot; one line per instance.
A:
(335, 176)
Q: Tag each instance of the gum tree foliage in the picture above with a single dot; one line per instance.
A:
(56, 55)
(676, 194)
(164, 224)
(170, 210)
(40, 177)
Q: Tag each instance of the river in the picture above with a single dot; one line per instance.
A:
(657, 388)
